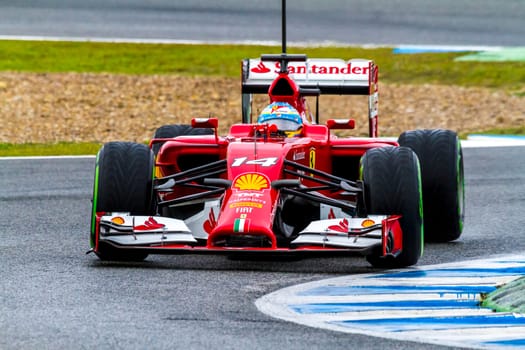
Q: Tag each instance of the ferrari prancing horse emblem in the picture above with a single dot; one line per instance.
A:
(312, 158)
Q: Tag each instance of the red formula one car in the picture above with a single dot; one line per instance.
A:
(284, 183)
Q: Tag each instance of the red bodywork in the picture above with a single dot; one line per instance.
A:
(254, 170)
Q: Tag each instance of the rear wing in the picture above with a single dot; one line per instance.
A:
(328, 76)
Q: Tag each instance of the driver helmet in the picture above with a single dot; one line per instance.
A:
(284, 116)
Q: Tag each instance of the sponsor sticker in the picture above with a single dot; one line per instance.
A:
(367, 223)
(117, 220)
(149, 224)
(299, 156)
(314, 69)
(312, 158)
(342, 226)
(251, 181)
(246, 204)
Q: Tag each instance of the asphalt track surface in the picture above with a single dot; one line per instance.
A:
(53, 296)
(416, 22)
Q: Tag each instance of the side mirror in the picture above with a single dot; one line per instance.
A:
(211, 123)
(341, 124)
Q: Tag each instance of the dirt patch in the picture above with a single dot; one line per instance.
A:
(106, 107)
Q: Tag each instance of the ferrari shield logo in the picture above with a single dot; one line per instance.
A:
(312, 158)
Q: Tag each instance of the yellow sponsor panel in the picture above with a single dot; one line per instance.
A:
(246, 204)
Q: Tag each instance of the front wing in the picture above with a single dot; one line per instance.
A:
(163, 235)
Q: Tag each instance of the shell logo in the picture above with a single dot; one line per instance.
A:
(255, 182)
(367, 223)
(117, 220)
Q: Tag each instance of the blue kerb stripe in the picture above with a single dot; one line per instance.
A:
(357, 290)
(434, 49)
(457, 272)
(384, 305)
(436, 323)
(410, 50)
(520, 260)
(510, 342)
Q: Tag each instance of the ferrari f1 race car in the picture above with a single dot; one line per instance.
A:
(284, 183)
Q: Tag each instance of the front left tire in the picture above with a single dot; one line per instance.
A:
(441, 158)
(123, 183)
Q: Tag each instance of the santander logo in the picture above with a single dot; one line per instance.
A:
(261, 68)
(210, 224)
(317, 67)
(149, 224)
(341, 227)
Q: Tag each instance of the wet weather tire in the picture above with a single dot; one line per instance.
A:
(393, 187)
(441, 160)
(123, 183)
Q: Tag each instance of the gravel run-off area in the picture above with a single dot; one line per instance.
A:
(79, 107)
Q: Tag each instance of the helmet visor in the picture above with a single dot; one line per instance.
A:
(284, 124)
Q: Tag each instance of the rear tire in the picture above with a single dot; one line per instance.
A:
(174, 130)
(123, 183)
(392, 183)
(441, 160)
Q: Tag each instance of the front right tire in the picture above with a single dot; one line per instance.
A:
(392, 185)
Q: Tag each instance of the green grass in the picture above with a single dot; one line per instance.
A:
(519, 130)
(224, 60)
(52, 149)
